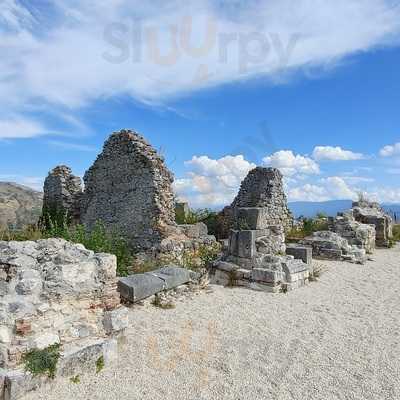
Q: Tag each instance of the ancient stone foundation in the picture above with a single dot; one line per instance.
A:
(55, 292)
(62, 195)
(255, 256)
(371, 213)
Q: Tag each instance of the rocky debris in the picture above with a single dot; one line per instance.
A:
(262, 189)
(20, 206)
(139, 287)
(52, 292)
(372, 214)
(129, 189)
(356, 233)
(330, 246)
(62, 195)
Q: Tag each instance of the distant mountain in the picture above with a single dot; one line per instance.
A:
(19, 205)
(311, 209)
(331, 208)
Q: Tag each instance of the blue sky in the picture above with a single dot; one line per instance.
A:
(311, 88)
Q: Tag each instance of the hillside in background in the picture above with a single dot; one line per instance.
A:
(331, 208)
(19, 205)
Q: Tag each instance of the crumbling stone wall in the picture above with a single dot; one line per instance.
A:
(262, 188)
(52, 291)
(62, 195)
(372, 213)
(129, 189)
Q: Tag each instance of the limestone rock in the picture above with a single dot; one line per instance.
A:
(56, 292)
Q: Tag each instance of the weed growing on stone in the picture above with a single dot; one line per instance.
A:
(100, 364)
(41, 362)
(76, 380)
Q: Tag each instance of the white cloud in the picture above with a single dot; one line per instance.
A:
(329, 153)
(391, 150)
(72, 146)
(331, 188)
(290, 164)
(61, 60)
(212, 183)
(21, 128)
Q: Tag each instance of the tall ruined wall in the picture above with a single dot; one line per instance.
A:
(262, 188)
(129, 189)
(62, 194)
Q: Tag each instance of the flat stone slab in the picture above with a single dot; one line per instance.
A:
(135, 288)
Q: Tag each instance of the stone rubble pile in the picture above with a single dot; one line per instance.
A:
(330, 246)
(256, 252)
(55, 292)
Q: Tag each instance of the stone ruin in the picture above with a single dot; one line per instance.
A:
(262, 188)
(353, 234)
(129, 190)
(255, 257)
(55, 292)
(328, 245)
(372, 213)
(62, 195)
(356, 233)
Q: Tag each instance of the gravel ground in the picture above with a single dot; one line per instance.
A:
(337, 338)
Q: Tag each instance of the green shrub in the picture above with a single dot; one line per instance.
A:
(310, 226)
(41, 362)
(396, 233)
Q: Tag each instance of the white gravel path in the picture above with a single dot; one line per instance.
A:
(338, 338)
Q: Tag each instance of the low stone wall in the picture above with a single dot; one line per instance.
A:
(54, 292)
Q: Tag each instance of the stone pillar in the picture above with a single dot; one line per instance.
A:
(62, 195)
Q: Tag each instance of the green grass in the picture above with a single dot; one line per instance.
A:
(100, 364)
(309, 227)
(42, 362)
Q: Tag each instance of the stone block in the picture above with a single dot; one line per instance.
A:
(266, 276)
(116, 320)
(303, 253)
(251, 218)
(18, 383)
(173, 276)
(243, 244)
(138, 287)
